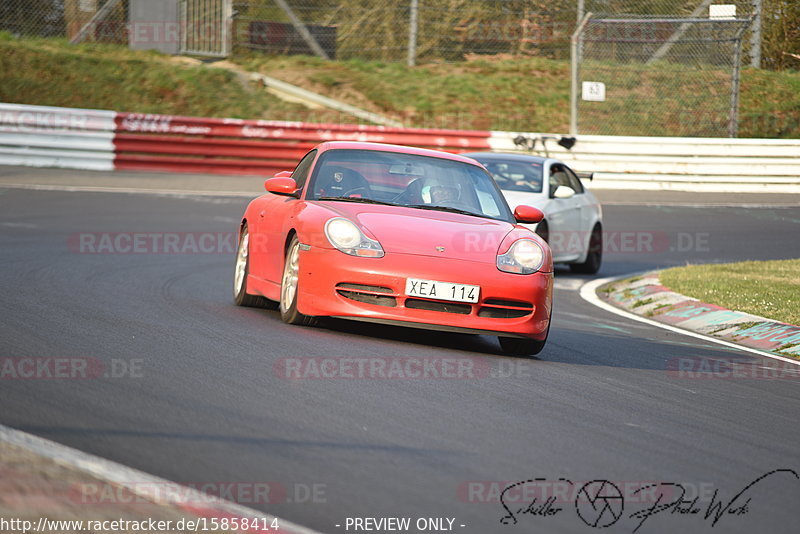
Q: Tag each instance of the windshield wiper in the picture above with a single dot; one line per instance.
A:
(358, 199)
(448, 209)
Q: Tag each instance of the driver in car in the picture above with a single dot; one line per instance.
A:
(443, 193)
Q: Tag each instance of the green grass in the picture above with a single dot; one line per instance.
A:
(769, 289)
(482, 92)
(530, 94)
(770, 104)
(53, 73)
(643, 302)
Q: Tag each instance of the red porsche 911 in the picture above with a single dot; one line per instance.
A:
(396, 235)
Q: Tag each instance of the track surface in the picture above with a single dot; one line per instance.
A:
(597, 404)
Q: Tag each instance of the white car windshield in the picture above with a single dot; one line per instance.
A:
(410, 180)
(513, 175)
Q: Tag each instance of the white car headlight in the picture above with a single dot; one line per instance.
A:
(524, 257)
(347, 237)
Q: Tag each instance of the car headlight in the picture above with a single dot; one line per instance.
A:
(347, 237)
(524, 257)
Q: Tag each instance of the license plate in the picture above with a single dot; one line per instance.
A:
(442, 290)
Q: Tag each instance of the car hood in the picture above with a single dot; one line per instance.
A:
(425, 232)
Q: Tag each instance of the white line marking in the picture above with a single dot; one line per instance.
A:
(18, 225)
(588, 293)
(229, 220)
(133, 479)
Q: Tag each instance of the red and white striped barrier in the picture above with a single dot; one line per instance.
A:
(106, 140)
(236, 146)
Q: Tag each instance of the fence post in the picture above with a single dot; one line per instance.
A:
(573, 94)
(733, 121)
(412, 33)
(581, 10)
(755, 35)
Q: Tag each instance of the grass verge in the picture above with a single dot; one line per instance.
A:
(498, 92)
(766, 288)
(51, 72)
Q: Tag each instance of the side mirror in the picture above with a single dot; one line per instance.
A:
(283, 174)
(562, 191)
(528, 214)
(282, 186)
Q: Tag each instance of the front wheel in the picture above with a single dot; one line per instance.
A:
(594, 256)
(290, 286)
(521, 347)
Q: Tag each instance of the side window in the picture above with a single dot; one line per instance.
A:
(574, 181)
(557, 177)
(300, 173)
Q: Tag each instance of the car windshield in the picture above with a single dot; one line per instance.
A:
(513, 175)
(410, 180)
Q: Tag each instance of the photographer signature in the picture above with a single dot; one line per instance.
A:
(600, 503)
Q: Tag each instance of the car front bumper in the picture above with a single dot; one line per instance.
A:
(334, 284)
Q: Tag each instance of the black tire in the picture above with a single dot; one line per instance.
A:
(288, 302)
(240, 295)
(516, 346)
(594, 257)
(543, 231)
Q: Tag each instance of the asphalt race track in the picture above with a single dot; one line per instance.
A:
(200, 399)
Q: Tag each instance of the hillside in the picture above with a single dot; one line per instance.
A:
(483, 92)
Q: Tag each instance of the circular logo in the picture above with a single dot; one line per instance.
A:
(599, 503)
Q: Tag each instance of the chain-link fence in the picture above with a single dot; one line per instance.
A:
(415, 30)
(365, 29)
(751, 44)
(93, 20)
(421, 30)
(658, 76)
(425, 30)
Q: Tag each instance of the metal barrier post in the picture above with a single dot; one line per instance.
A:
(573, 94)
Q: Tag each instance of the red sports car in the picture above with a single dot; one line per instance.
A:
(396, 235)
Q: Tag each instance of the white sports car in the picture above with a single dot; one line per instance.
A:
(573, 218)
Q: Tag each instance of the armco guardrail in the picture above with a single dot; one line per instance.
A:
(235, 146)
(40, 136)
(106, 140)
(695, 164)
